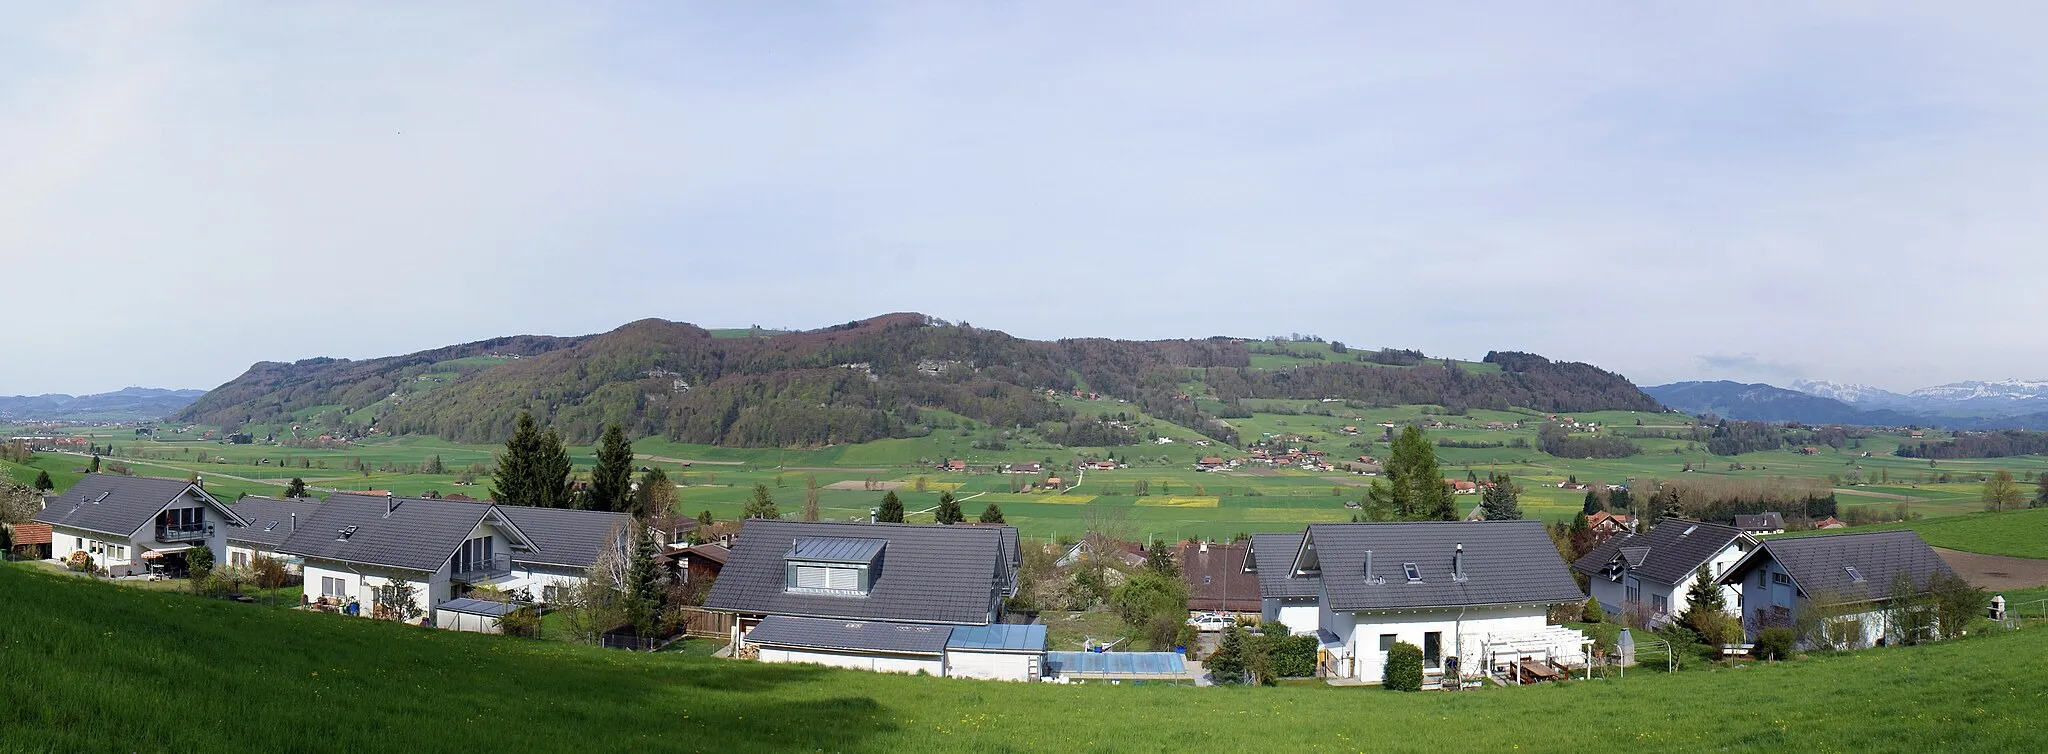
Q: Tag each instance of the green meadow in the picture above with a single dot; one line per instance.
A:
(98, 667)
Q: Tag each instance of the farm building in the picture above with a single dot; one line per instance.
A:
(1783, 578)
(122, 522)
(1651, 572)
(1478, 593)
(903, 598)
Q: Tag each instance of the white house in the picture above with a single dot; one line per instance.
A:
(1761, 524)
(364, 549)
(1785, 577)
(270, 522)
(1478, 592)
(117, 520)
(567, 543)
(903, 598)
(1653, 571)
(1291, 599)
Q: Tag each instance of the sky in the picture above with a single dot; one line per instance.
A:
(1673, 191)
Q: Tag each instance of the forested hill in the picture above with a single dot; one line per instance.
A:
(856, 382)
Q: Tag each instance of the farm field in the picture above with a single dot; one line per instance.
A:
(1182, 502)
(103, 668)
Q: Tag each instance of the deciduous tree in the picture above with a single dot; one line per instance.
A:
(656, 496)
(2001, 493)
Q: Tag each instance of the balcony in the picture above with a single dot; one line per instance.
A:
(473, 571)
(168, 533)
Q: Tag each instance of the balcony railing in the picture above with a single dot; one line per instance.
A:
(496, 566)
(182, 532)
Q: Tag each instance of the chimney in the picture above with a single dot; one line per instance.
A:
(1368, 566)
(199, 479)
(1458, 562)
(1205, 547)
(295, 521)
(390, 503)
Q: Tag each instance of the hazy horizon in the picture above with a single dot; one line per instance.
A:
(1761, 194)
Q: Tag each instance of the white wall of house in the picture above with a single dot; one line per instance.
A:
(1459, 632)
(997, 666)
(539, 579)
(1301, 615)
(105, 550)
(879, 662)
(347, 581)
(1770, 586)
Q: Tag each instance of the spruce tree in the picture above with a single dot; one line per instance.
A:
(992, 514)
(761, 505)
(611, 483)
(811, 503)
(44, 483)
(644, 593)
(1705, 607)
(297, 488)
(1592, 504)
(512, 480)
(551, 484)
(94, 467)
(2041, 492)
(892, 509)
(949, 509)
(1503, 499)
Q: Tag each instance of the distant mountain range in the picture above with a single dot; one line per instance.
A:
(893, 376)
(2008, 404)
(134, 404)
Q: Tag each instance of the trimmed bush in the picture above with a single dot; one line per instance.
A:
(1594, 613)
(1404, 668)
(1774, 643)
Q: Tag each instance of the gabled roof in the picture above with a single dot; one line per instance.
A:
(1505, 562)
(1667, 553)
(564, 537)
(927, 573)
(31, 534)
(1217, 580)
(1272, 555)
(270, 519)
(119, 505)
(1760, 522)
(1819, 564)
(420, 535)
(858, 636)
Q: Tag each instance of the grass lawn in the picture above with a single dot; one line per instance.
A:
(96, 667)
(2021, 534)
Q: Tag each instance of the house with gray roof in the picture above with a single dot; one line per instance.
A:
(371, 550)
(270, 522)
(1284, 596)
(1770, 522)
(1474, 596)
(889, 597)
(1787, 576)
(1652, 572)
(566, 544)
(121, 522)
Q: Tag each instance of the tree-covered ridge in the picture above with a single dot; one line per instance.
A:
(856, 382)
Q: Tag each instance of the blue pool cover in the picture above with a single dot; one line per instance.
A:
(1116, 663)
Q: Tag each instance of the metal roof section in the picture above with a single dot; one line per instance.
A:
(469, 606)
(852, 636)
(999, 637)
(858, 551)
(1133, 665)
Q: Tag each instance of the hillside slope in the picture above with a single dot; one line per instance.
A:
(857, 382)
(98, 667)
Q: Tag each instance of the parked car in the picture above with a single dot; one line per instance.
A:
(1211, 622)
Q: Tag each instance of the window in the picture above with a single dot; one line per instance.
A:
(1635, 593)
(1760, 578)
(550, 593)
(1414, 574)
(238, 559)
(1659, 603)
(474, 555)
(827, 578)
(1433, 649)
(1854, 575)
(1779, 578)
(1386, 642)
(332, 587)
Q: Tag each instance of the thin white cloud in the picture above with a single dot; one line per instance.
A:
(1851, 188)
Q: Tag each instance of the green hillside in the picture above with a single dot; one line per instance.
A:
(97, 667)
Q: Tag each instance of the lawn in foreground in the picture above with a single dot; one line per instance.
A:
(96, 667)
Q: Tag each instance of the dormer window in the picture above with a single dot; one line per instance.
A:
(832, 565)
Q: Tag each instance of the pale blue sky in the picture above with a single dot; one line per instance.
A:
(1672, 191)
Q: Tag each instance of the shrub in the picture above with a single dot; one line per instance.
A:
(1404, 668)
(524, 621)
(270, 572)
(1774, 643)
(1593, 612)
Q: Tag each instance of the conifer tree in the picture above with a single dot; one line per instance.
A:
(2041, 492)
(892, 509)
(45, 484)
(949, 509)
(992, 514)
(1503, 499)
(611, 483)
(1592, 504)
(761, 505)
(297, 488)
(644, 593)
(534, 469)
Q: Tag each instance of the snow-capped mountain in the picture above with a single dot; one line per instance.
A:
(1850, 393)
(2013, 390)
